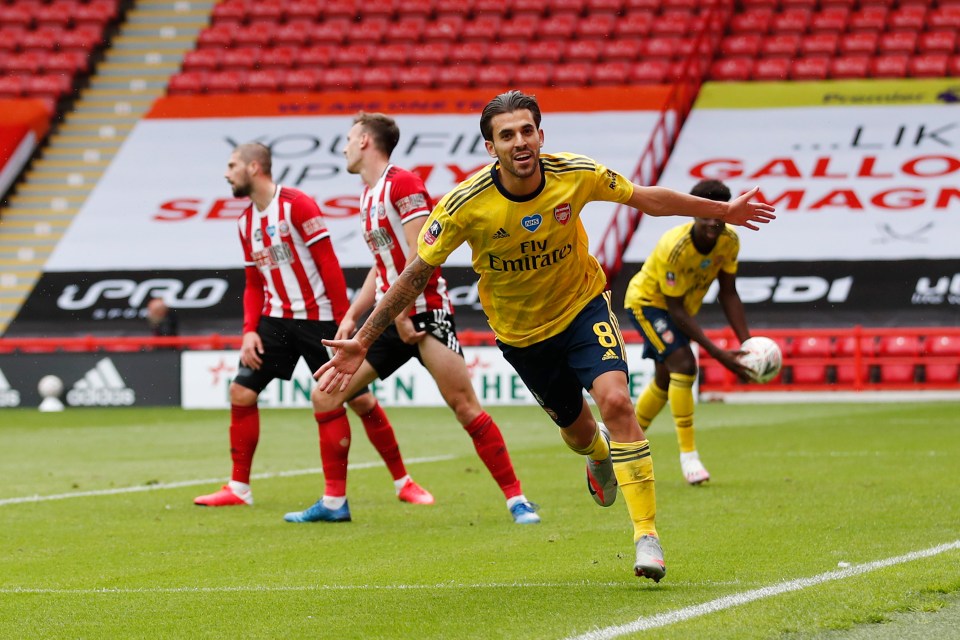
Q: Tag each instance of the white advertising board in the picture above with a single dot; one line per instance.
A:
(206, 377)
(163, 202)
(857, 171)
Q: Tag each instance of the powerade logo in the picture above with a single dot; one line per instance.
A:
(102, 386)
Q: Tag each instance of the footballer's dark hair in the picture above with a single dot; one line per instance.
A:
(382, 128)
(507, 103)
(711, 190)
(259, 153)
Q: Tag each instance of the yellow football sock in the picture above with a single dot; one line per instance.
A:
(597, 450)
(649, 404)
(681, 405)
(633, 467)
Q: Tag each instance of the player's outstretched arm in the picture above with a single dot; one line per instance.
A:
(660, 201)
(348, 354)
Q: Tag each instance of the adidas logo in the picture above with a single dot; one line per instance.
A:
(501, 233)
(610, 355)
(8, 397)
(102, 386)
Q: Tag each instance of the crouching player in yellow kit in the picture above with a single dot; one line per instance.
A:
(545, 296)
(663, 299)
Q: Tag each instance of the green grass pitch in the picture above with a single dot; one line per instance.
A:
(112, 546)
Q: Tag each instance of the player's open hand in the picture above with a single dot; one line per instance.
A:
(336, 373)
(251, 350)
(744, 213)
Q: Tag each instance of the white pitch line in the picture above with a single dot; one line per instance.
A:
(191, 483)
(737, 599)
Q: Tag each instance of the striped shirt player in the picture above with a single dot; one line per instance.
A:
(291, 269)
(295, 296)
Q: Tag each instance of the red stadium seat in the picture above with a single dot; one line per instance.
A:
(354, 55)
(259, 34)
(941, 373)
(223, 82)
(943, 345)
(416, 77)
(202, 60)
(330, 32)
(731, 69)
(230, 12)
(264, 80)
(868, 19)
(240, 58)
(931, 65)
(469, 53)
(533, 75)
(785, 44)
(672, 24)
(414, 8)
(376, 9)
(943, 18)
(846, 374)
(456, 77)
(790, 21)
(340, 9)
(573, 74)
(340, 79)
(12, 86)
(746, 44)
(751, 22)
(661, 48)
(506, 52)
(595, 26)
(392, 55)
(43, 39)
(712, 373)
(370, 30)
(430, 53)
(571, 7)
(830, 20)
(809, 69)
(444, 29)
(909, 346)
(543, 51)
(16, 15)
(301, 80)
(558, 28)
(377, 78)
(849, 67)
(812, 347)
(187, 83)
(937, 42)
(889, 66)
(269, 12)
(480, 28)
(953, 66)
(613, 7)
(71, 62)
(499, 76)
(897, 42)
(316, 57)
(56, 14)
(582, 51)
(907, 18)
(621, 50)
(633, 25)
(293, 34)
(27, 63)
(453, 7)
(406, 30)
(305, 10)
(649, 72)
(630, 6)
(809, 374)
(768, 69)
(858, 43)
(897, 373)
(610, 74)
(218, 36)
(820, 44)
(278, 58)
(846, 346)
(519, 27)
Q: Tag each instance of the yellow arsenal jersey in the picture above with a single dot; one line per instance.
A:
(531, 252)
(677, 269)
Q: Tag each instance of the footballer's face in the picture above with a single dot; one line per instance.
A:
(516, 145)
(352, 150)
(707, 231)
(238, 176)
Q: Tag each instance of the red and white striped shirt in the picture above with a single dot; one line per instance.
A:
(398, 197)
(289, 245)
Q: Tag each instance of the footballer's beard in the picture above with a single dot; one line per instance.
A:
(241, 190)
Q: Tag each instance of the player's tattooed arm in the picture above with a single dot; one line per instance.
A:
(409, 284)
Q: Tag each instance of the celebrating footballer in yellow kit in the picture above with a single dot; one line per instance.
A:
(546, 298)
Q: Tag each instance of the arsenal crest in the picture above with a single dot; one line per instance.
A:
(562, 213)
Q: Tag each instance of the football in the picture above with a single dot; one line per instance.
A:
(762, 358)
(50, 387)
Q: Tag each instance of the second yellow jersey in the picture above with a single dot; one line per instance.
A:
(531, 252)
(677, 269)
